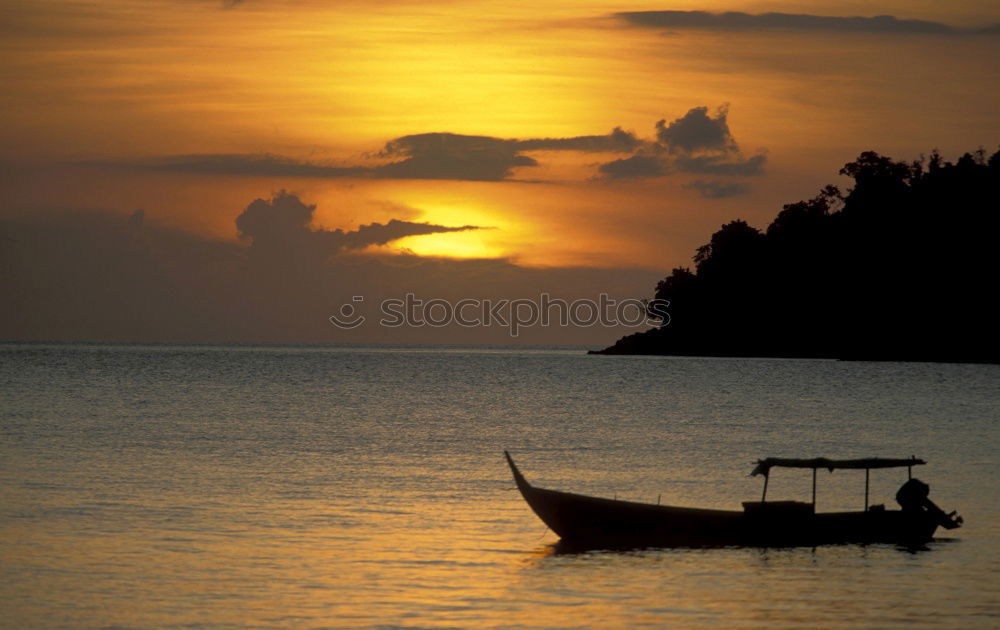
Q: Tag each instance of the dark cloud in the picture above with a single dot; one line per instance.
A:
(721, 164)
(447, 156)
(277, 218)
(97, 276)
(264, 165)
(635, 166)
(451, 156)
(279, 230)
(718, 189)
(697, 142)
(697, 130)
(484, 158)
(764, 21)
(618, 141)
(427, 156)
(395, 229)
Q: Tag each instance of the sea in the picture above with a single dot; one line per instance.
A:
(240, 486)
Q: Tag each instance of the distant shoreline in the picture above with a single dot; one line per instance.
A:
(613, 350)
(645, 344)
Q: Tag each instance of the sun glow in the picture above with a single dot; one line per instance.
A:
(469, 244)
(488, 238)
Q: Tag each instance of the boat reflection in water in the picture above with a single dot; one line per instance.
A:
(585, 522)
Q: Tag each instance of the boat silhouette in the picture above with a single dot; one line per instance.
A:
(586, 522)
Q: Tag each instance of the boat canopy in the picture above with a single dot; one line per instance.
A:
(764, 466)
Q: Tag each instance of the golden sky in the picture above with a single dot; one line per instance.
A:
(536, 123)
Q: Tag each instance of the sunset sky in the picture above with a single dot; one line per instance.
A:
(580, 146)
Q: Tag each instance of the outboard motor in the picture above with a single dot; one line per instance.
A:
(912, 497)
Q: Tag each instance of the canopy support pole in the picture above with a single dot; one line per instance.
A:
(866, 489)
(814, 489)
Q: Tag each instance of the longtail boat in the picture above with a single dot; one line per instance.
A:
(586, 522)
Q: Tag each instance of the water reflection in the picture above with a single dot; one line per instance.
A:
(356, 489)
(537, 556)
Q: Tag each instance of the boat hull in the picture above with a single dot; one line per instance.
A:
(585, 522)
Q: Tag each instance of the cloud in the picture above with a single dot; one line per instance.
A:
(484, 158)
(422, 156)
(618, 141)
(84, 275)
(439, 155)
(697, 130)
(697, 142)
(395, 229)
(265, 165)
(721, 164)
(279, 231)
(451, 156)
(638, 165)
(737, 20)
(717, 189)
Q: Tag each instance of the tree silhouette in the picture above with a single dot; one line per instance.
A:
(902, 267)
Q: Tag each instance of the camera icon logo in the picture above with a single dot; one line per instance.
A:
(348, 318)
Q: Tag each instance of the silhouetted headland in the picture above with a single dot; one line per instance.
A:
(904, 267)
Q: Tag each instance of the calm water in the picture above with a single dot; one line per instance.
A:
(173, 486)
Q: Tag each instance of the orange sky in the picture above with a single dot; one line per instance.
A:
(192, 109)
